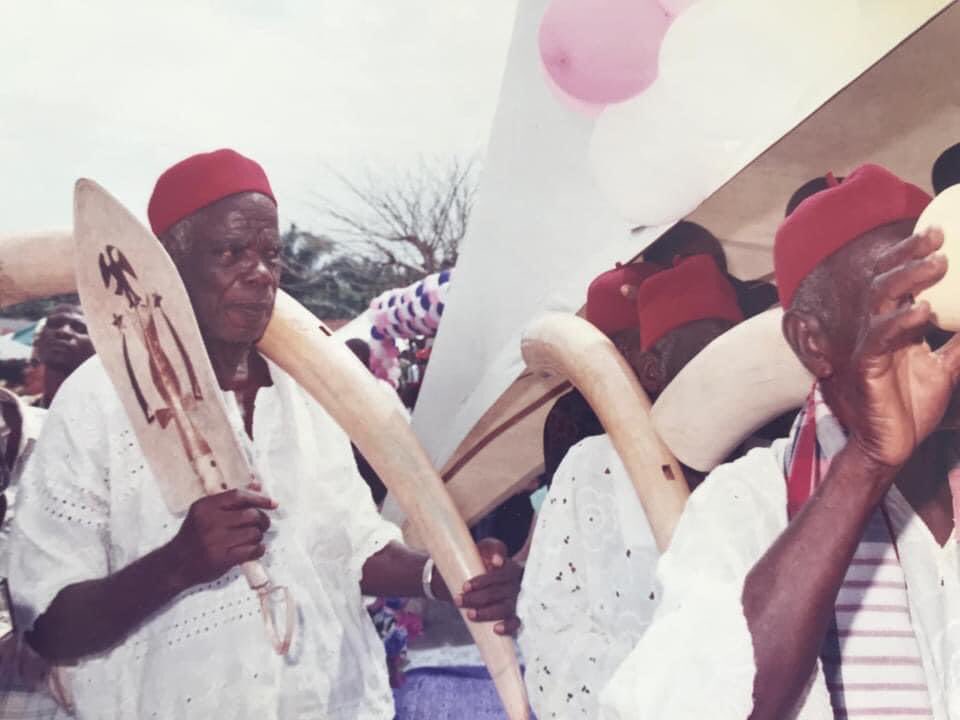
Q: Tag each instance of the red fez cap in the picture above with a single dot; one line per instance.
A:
(693, 289)
(201, 180)
(607, 307)
(868, 198)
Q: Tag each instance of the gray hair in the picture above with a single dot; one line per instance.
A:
(817, 295)
(178, 239)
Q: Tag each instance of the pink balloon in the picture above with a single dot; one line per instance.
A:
(584, 108)
(602, 51)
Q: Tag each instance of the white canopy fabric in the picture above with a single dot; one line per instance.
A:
(359, 327)
(551, 215)
(10, 349)
(902, 113)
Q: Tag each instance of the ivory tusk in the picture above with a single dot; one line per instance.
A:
(338, 381)
(36, 265)
(737, 384)
(571, 347)
(296, 342)
(944, 213)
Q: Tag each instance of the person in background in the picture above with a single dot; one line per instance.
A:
(571, 419)
(151, 608)
(377, 489)
(818, 578)
(361, 349)
(946, 169)
(11, 372)
(611, 306)
(811, 187)
(24, 692)
(688, 238)
(61, 345)
(588, 583)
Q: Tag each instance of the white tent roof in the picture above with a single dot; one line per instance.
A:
(10, 349)
(902, 113)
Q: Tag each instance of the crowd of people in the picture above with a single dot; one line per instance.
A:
(808, 576)
(813, 574)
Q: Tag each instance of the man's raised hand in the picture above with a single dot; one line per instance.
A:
(896, 389)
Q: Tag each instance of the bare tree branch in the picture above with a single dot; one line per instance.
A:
(415, 223)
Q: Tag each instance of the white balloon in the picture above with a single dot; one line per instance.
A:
(944, 297)
(883, 22)
(747, 65)
(735, 75)
(652, 161)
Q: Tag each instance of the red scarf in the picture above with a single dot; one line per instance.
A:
(871, 659)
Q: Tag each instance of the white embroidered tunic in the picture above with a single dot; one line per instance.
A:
(588, 590)
(32, 420)
(696, 659)
(89, 507)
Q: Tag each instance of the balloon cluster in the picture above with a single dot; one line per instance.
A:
(401, 314)
(600, 58)
(682, 90)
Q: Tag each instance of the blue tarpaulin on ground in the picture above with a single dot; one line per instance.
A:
(456, 692)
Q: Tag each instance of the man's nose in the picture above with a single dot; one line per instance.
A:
(260, 273)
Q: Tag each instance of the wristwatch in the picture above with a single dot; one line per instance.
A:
(426, 579)
(6, 610)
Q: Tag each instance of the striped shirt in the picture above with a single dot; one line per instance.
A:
(696, 659)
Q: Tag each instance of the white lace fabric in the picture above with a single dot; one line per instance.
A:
(33, 418)
(89, 506)
(589, 589)
(696, 659)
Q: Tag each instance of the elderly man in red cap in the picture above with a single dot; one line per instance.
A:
(820, 578)
(150, 608)
(588, 591)
(611, 307)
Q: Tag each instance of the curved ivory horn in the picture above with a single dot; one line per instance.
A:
(570, 346)
(737, 384)
(36, 265)
(295, 340)
(944, 212)
(347, 390)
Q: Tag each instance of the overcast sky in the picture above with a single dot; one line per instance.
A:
(118, 90)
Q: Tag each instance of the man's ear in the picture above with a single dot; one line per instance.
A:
(650, 373)
(809, 341)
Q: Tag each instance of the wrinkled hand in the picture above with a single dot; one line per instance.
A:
(492, 597)
(219, 532)
(896, 390)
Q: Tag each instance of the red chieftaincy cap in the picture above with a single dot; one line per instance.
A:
(607, 307)
(693, 289)
(201, 180)
(870, 197)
